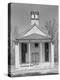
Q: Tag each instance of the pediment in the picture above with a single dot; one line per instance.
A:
(35, 30)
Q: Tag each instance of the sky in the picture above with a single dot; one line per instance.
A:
(20, 15)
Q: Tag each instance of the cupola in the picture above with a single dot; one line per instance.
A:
(34, 18)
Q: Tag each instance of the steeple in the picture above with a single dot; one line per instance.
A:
(34, 18)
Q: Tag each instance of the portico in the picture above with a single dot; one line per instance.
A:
(34, 56)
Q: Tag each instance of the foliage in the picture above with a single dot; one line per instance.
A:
(52, 28)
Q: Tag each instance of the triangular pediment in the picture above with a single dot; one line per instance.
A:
(35, 30)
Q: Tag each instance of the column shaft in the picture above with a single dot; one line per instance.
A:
(17, 56)
(40, 52)
(29, 56)
(52, 55)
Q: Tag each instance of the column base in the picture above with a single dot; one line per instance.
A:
(17, 67)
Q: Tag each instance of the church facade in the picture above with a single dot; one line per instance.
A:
(34, 50)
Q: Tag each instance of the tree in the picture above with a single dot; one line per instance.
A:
(52, 28)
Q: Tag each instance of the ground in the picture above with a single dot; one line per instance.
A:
(34, 70)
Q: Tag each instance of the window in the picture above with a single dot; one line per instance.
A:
(23, 52)
(36, 45)
(46, 51)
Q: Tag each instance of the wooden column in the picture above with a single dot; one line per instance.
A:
(52, 55)
(17, 56)
(29, 56)
(40, 53)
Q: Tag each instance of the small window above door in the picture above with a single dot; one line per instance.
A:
(36, 45)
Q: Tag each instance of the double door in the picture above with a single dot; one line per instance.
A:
(35, 58)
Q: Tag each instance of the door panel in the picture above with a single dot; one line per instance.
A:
(35, 58)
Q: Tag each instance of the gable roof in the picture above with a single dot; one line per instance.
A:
(35, 30)
(34, 33)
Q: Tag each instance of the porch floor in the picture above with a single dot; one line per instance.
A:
(38, 69)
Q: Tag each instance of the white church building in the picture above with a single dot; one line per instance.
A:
(34, 50)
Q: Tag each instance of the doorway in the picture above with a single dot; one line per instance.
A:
(35, 58)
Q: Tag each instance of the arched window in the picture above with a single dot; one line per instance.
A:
(36, 16)
(32, 16)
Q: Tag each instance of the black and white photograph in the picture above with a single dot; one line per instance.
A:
(32, 39)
